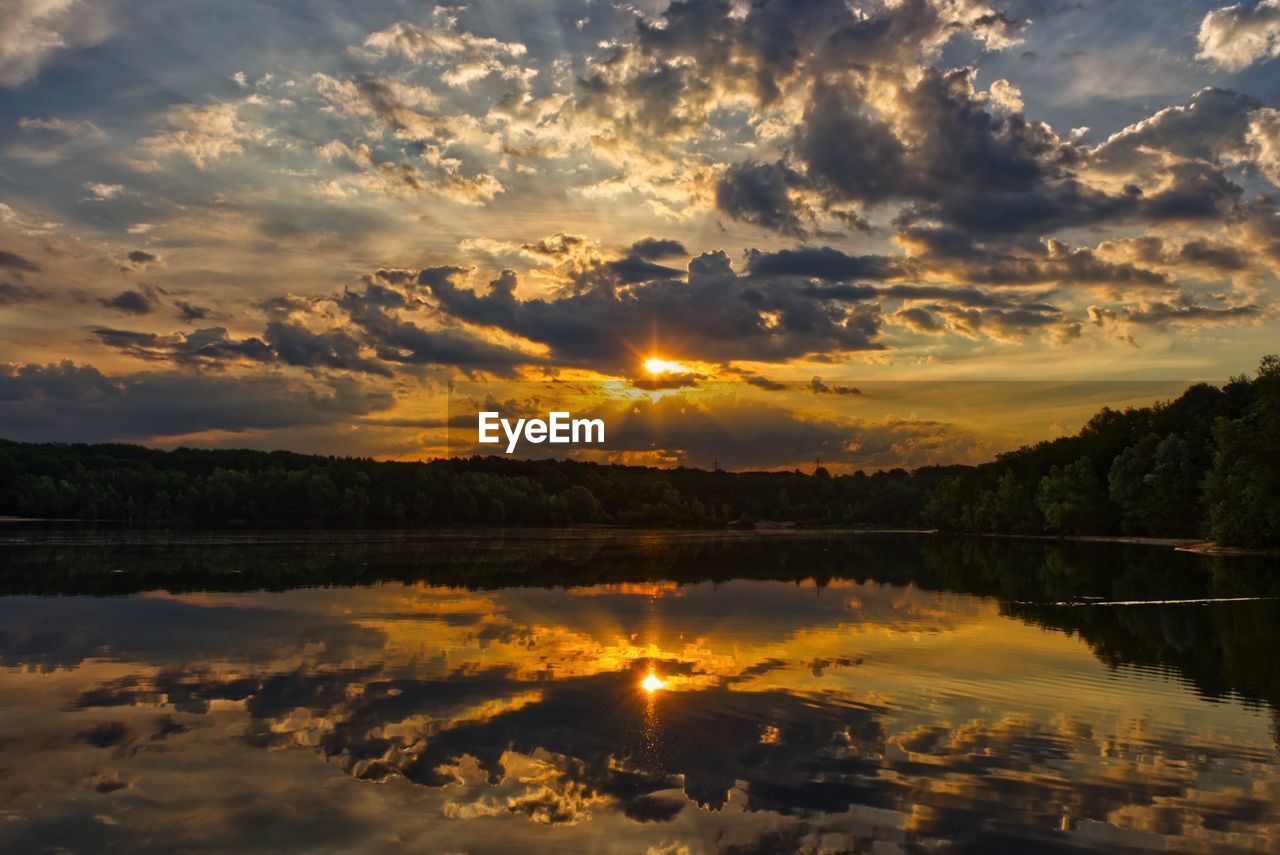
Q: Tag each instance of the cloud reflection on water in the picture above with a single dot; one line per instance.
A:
(795, 715)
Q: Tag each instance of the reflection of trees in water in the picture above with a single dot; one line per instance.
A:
(1219, 648)
(1222, 649)
(1216, 647)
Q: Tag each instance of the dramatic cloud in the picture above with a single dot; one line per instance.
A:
(203, 134)
(821, 263)
(715, 315)
(761, 382)
(68, 402)
(1207, 127)
(441, 41)
(206, 346)
(655, 248)
(1241, 34)
(12, 293)
(758, 193)
(1263, 137)
(753, 191)
(36, 30)
(13, 261)
(376, 313)
(1183, 311)
(131, 303)
(189, 312)
(817, 387)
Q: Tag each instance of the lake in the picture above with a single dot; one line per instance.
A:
(633, 692)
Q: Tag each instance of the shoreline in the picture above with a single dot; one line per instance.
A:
(1197, 546)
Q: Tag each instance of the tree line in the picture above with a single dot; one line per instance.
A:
(1206, 464)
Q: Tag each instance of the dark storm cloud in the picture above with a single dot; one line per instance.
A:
(294, 344)
(997, 174)
(190, 312)
(920, 320)
(716, 315)
(129, 340)
(635, 268)
(1038, 210)
(937, 146)
(137, 259)
(1218, 256)
(13, 261)
(1185, 310)
(373, 312)
(652, 249)
(942, 146)
(285, 305)
(105, 734)
(1009, 324)
(971, 311)
(210, 346)
(848, 153)
(373, 340)
(952, 253)
(68, 402)
(757, 193)
(12, 293)
(959, 143)
(817, 387)
(822, 263)
(762, 382)
(131, 303)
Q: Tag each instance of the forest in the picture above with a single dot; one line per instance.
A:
(1205, 465)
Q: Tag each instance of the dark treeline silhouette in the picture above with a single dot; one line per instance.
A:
(1206, 464)
(216, 487)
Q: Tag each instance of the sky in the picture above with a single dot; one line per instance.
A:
(300, 224)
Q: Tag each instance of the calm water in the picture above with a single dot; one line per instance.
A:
(485, 693)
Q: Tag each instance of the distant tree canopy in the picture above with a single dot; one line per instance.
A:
(216, 487)
(1205, 464)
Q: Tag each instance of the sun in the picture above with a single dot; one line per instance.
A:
(657, 365)
(652, 683)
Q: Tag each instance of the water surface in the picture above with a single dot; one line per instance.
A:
(486, 693)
